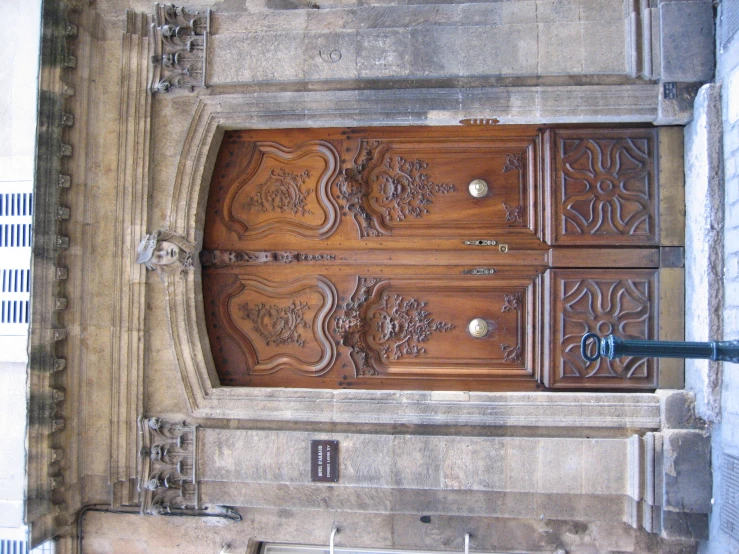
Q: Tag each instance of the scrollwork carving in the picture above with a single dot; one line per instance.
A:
(513, 162)
(513, 214)
(511, 353)
(167, 481)
(512, 302)
(351, 327)
(224, 258)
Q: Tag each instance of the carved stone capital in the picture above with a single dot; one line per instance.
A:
(180, 43)
(168, 479)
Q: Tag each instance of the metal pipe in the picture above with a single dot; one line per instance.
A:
(331, 540)
(613, 347)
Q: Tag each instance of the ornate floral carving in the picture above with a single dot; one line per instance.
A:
(405, 190)
(180, 41)
(401, 324)
(402, 190)
(511, 354)
(604, 306)
(398, 324)
(606, 187)
(513, 214)
(224, 258)
(282, 191)
(167, 480)
(512, 302)
(275, 324)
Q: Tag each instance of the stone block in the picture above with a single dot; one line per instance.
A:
(330, 55)
(474, 464)
(603, 466)
(515, 13)
(687, 471)
(677, 409)
(704, 198)
(602, 10)
(557, 11)
(383, 53)
(261, 56)
(684, 526)
(676, 106)
(522, 464)
(417, 463)
(489, 14)
(504, 50)
(604, 47)
(435, 51)
(687, 41)
(560, 466)
(560, 48)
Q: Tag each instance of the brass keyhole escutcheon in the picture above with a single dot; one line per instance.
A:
(478, 328)
(478, 188)
(503, 248)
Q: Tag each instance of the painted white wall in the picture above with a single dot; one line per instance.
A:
(19, 64)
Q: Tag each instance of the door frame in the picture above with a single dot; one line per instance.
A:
(185, 312)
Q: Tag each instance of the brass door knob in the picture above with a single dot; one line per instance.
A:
(478, 188)
(478, 328)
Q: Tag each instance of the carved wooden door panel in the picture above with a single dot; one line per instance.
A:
(360, 258)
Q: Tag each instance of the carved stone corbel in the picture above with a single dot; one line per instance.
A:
(168, 479)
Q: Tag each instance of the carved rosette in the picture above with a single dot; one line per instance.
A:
(399, 190)
(180, 40)
(606, 189)
(604, 306)
(398, 325)
(168, 480)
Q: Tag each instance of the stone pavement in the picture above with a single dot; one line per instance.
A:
(712, 269)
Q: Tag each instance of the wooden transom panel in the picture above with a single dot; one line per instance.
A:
(357, 258)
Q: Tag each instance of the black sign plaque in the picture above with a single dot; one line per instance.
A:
(324, 461)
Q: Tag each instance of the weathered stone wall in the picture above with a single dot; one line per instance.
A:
(133, 534)
(139, 162)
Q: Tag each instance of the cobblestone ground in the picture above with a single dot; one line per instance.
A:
(724, 533)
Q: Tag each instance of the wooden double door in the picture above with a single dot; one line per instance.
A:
(464, 258)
